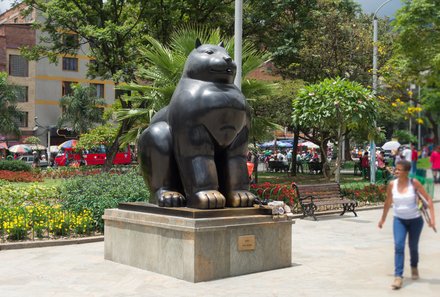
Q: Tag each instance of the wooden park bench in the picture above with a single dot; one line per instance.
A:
(311, 197)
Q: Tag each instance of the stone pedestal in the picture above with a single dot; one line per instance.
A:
(197, 245)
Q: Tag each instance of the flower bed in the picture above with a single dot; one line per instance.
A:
(74, 208)
(11, 195)
(43, 221)
(19, 176)
(370, 194)
(275, 192)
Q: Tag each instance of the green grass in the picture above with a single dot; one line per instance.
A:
(305, 178)
(50, 182)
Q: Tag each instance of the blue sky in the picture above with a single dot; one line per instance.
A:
(369, 6)
(388, 9)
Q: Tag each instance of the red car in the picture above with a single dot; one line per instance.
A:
(96, 156)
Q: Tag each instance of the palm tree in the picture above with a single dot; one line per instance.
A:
(9, 112)
(164, 68)
(81, 110)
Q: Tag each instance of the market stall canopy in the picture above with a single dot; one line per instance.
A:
(279, 143)
(20, 149)
(69, 144)
(391, 145)
(309, 144)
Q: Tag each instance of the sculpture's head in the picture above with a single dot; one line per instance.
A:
(209, 62)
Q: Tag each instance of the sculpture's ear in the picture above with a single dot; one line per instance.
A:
(221, 44)
(198, 43)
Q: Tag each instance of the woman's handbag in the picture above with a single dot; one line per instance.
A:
(422, 204)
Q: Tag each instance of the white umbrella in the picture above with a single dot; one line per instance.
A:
(309, 144)
(54, 148)
(391, 145)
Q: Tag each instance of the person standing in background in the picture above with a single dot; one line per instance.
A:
(435, 164)
(407, 153)
(414, 158)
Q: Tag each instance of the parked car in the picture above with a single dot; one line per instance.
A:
(29, 159)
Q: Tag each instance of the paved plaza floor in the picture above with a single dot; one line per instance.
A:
(334, 256)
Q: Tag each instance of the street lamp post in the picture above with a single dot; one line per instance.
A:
(48, 137)
(238, 32)
(372, 143)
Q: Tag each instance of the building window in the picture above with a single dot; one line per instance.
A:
(22, 121)
(70, 64)
(18, 66)
(22, 94)
(66, 88)
(70, 40)
(98, 90)
(121, 93)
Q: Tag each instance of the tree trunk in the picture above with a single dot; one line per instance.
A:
(113, 149)
(347, 151)
(339, 158)
(294, 152)
(325, 165)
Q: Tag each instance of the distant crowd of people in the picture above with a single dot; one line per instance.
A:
(407, 153)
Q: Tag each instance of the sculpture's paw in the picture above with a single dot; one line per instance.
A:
(170, 199)
(240, 199)
(207, 200)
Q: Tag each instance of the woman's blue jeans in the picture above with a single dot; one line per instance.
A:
(401, 228)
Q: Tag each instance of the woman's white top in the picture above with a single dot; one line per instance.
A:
(405, 204)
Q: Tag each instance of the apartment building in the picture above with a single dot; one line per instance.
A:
(42, 83)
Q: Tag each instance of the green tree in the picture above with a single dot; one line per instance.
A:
(32, 140)
(416, 57)
(339, 44)
(101, 135)
(165, 66)
(10, 114)
(114, 31)
(418, 39)
(81, 110)
(277, 26)
(327, 110)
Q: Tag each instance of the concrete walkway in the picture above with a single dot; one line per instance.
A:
(335, 256)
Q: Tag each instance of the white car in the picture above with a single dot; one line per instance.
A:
(29, 159)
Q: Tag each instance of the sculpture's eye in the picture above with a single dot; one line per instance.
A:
(209, 52)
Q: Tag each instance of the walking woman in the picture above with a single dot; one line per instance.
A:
(401, 193)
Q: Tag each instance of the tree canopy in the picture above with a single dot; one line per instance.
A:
(81, 110)
(10, 114)
(327, 110)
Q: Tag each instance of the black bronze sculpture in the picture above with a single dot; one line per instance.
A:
(194, 151)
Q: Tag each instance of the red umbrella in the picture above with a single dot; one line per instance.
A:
(69, 144)
(3, 146)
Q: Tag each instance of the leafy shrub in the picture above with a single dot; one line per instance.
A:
(67, 171)
(15, 165)
(369, 194)
(19, 176)
(11, 195)
(105, 190)
(3, 182)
